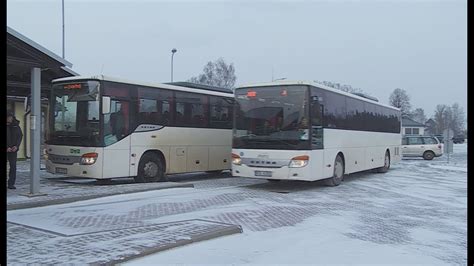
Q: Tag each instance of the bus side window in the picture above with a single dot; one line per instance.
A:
(116, 123)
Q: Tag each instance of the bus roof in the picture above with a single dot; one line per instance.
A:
(199, 86)
(314, 84)
(183, 86)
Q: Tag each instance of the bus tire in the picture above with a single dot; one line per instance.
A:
(150, 169)
(386, 164)
(338, 174)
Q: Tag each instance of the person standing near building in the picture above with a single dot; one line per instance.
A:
(14, 137)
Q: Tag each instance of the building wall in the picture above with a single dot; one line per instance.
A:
(19, 111)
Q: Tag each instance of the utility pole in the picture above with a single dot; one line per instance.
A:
(63, 30)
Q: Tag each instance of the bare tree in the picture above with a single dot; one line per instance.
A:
(400, 99)
(217, 73)
(418, 115)
(457, 119)
(451, 117)
(440, 116)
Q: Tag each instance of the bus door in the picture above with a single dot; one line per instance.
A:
(117, 140)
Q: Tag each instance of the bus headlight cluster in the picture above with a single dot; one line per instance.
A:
(299, 161)
(236, 159)
(89, 158)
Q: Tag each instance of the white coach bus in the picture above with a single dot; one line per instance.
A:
(306, 131)
(105, 128)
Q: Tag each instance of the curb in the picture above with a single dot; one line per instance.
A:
(48, 202)
(232, 229)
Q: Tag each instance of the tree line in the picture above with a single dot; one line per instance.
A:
(445, 116)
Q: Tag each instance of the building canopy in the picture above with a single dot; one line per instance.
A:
(22, 55)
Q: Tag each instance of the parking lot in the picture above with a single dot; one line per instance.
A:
(416, 213)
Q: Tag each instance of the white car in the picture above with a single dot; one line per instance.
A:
(427, 147)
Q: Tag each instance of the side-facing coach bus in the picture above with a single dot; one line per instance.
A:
(306, 131)
(105, 128)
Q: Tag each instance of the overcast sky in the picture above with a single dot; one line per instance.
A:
(419, 46)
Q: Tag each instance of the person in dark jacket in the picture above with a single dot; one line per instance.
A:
(14, 137)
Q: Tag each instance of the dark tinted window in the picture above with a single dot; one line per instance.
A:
(379, 122)
(153, 106)
(345, 112)
(221, 112)
(355, 114)
(334, 110)
(370, 116)
(191, 110)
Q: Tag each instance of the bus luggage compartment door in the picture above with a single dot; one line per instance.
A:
(197, 159)
(177, 160)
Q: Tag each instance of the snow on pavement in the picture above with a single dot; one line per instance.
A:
(432, 232)
(416, 213)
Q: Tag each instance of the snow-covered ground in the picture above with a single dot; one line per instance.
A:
(414, 214)
(427, 198)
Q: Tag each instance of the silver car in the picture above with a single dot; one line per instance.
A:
(427, 147)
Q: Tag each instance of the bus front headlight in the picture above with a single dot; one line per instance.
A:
(236, 159)
(299, 161)
(89, 158)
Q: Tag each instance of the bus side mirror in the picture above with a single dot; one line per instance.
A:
(105, 105)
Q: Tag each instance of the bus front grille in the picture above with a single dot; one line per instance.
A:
(265, 163)
(64, 159)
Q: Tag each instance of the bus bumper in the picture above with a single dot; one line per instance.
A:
(76, 170)
(283, 173)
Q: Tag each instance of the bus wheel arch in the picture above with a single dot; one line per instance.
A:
(338, 173)
(343, 160)
(151, 167)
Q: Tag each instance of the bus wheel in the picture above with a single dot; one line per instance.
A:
(386, 164)
(150, 169)
(338, 174)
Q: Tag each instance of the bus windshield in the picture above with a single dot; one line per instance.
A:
(74, 114)
(271, 118)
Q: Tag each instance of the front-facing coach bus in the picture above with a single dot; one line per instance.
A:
(306, 131)
(105, 128)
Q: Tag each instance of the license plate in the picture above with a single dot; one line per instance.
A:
(263, 173)
(61, 170)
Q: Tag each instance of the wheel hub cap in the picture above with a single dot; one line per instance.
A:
(151, 169)
(338, 170)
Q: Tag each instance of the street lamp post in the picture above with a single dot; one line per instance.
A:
(63, 26)
(172, 54)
